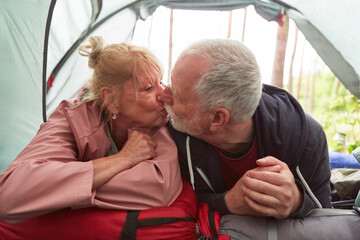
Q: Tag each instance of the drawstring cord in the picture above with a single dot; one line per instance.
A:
(202, 174)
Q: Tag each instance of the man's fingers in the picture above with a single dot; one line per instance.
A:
(275, 168)
(260, 192)
(274, 178)
(271, 190)
(270, 161)
(264, 210)
(252, 184)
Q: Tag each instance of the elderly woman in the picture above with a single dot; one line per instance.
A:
(109, 149)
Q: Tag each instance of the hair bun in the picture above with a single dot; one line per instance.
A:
(92, 50)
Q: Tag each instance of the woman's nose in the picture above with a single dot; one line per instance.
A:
(166, 96)
(159, 88)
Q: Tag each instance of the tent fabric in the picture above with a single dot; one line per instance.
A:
(73, 74)
(22, 35)
(333, 29)
(22, 25)
(330, 26)
(270, 10)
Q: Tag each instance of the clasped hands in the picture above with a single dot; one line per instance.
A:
(268, 190)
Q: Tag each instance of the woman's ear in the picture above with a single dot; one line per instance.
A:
(106, 93)
(219, 119)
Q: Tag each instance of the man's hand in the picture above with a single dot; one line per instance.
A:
(235, 198)
(270, 193)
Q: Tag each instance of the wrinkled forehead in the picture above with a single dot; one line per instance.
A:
(188, 70)
(147, 76)
(143, 80)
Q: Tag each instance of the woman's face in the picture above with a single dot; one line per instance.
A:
(140, 108)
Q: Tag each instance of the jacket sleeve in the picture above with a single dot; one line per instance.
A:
(46, 175)
(315, 168)
(152, 183)
(216, 201)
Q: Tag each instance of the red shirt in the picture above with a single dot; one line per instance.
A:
(232, 169)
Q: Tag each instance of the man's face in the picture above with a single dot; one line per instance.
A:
(180, 101)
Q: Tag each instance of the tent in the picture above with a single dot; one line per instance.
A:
(39, 64)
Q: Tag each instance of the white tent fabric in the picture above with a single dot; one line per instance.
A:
(332, 28)
(73, 74)
(33, 32)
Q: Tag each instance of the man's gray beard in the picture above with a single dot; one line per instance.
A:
(179, 125)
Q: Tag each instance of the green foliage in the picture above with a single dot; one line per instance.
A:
(333, 107)
(325, 91)
(338, 112)
(352, 147)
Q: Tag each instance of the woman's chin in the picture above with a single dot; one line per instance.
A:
(162, 122)
(155, 124)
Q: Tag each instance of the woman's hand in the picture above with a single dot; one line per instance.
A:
(139, 147)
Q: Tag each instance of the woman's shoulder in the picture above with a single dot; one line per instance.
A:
(82, 118)
(76, 106)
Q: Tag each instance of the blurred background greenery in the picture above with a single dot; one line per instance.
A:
(334, 107)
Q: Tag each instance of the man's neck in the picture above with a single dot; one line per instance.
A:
(235, 138)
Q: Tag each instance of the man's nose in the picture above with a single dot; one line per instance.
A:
(166, 96)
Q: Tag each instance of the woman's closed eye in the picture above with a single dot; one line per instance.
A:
(148, 88)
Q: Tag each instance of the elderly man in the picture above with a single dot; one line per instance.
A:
(247, 148)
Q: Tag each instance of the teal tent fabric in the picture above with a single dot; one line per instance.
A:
(22, 44)
(22, 25)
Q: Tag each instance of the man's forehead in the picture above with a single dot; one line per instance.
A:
(187, 71)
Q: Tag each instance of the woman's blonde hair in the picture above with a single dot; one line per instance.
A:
(113, 65)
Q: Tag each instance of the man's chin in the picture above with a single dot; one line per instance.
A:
(176, 126)
(181, 128)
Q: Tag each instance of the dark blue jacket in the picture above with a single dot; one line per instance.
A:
(283, 130)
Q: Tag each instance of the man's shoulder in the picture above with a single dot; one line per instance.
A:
(276, 95)
(278, 107)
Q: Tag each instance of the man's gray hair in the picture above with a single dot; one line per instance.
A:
(233, 80)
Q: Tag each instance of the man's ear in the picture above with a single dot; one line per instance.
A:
(106, 93)
(219, 119)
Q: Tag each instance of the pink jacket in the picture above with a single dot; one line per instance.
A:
(54, 171)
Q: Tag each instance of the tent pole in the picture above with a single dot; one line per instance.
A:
(229, 26)
(45, 53)
(244, 25)
(170, 44)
